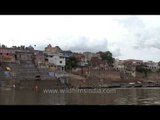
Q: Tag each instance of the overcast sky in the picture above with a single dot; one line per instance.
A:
(127, 37)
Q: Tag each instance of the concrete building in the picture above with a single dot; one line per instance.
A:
(127, 68)
(55, 61)
(51, 49)
(130, 70)
(54, 57)
(67, 53)
(89, 55)
(81, 60)
(39, 59)
(97, 63)
(132, 62)
(153, 66)
(7, 55)
(130, 66)
(24, 55)
(118, 65)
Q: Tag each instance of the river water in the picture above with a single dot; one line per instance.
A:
(126, 96)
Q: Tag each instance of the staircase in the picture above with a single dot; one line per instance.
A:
(44, 73)
(24, 73)
(2, 73)
(26, 70)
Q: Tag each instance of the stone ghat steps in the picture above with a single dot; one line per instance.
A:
(4, 83)
(2, 73)
(23, 71)
(44, 73)
(27, 70)
(26, 62)
(45, 84)
(3, 76)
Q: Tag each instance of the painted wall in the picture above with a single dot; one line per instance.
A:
(7, 55)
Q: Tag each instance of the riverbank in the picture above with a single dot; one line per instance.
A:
(105, 79)
(57, 84)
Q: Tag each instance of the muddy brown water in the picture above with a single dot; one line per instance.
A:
(119, 96)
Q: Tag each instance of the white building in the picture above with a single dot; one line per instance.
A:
(55, 59)
(153, 66)
(83, 63)
(118, 65)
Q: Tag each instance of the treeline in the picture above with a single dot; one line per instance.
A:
(106, 56)
(22, 47)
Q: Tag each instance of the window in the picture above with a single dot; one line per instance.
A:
(7, 53)
(60, 62)
(16, 57)
(61, 57)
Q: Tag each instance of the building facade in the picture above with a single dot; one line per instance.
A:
(81, 60)
(97, 63)
(7, 55)
(67, 54)
(89, 55)
(55, 61)
(23, 55)
(118, 65)
(153, 66)
(39, 58)
(51, 49)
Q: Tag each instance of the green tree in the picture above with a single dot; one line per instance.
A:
(3, 46)
(71, 63)
(107, 56)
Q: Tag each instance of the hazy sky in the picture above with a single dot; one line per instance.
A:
(136, 37)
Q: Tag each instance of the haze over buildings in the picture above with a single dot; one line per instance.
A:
(135, 37)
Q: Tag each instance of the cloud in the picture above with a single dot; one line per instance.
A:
(83, 44)
(117, 52)
(143, 37)
(133, 24)
(80, 44)
(149, 39)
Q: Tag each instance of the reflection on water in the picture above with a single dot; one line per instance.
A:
(139, 96)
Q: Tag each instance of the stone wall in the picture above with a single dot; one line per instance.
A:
(153, 76)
